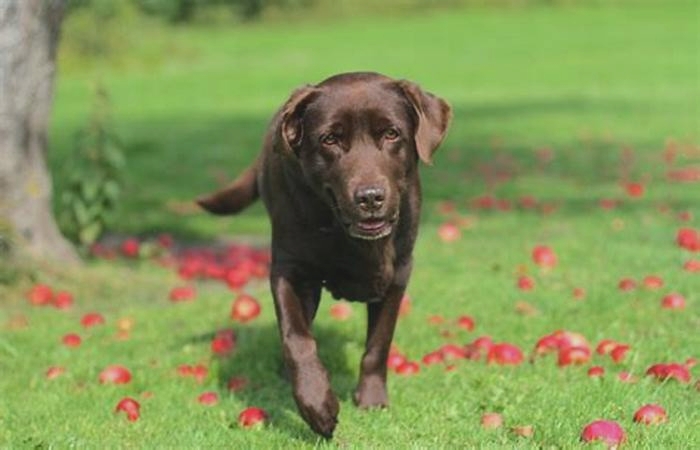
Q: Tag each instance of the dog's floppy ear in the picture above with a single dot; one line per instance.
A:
(434, 116)
(292, 114)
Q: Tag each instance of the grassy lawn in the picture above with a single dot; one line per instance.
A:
(564, 105)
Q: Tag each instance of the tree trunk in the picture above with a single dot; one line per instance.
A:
(29, 32)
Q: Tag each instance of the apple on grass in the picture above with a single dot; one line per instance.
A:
(252, 417)
(130, 407)
(245, 308)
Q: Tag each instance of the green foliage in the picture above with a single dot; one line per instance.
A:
(94, 180)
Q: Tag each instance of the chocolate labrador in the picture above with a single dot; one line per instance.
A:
(338, 174)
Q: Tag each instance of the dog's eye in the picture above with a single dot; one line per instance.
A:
(391, 134)
(329, 139)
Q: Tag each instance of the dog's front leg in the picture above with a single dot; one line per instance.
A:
(381, 321)
(311, 387)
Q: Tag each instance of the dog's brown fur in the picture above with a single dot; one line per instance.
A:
(338, 174)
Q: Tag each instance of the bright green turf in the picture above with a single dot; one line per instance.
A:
(583, 82)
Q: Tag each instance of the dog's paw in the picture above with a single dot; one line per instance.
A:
(371, 393)
(316, 401)
(320, 412)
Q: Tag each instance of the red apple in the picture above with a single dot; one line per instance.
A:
(92, 319)
(251, 417)
(129, 406)
(433, 358)
(200, 372)
(650, 414)
(692, 265)
(672, 370)
(245, 308)
(237, 278)
(71, 340)
(605, 346)
(408, 368)
(54, 372)
(627, 284)
(223, 343)
(579, 293)
(479, 347)
(448, 232)
(607, 431)
(544, 256)
(62, 300)
(115, 374)
(688, 238)
(341, 311)
(182, 293)
(40, 295)
(395, 360)
(635, 190)
(596, 371)
(573, 355)
(131, 247)
(208, 398)
(184, 370)
(619, 352)
(451, 352)
(491, 420)
(436, 319)
(626, 377)
(505, 353)
(673, 301)
(653, 282)
(526, 283)
(465, 323)
(547, 344)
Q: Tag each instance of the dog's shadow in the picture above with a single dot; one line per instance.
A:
(257, 359)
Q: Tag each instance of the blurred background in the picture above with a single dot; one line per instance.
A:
(560, 100)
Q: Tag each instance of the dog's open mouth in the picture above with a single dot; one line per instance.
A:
(370, 229)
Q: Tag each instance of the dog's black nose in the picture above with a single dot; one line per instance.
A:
(370, 198)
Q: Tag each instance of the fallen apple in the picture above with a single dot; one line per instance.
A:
(71, 340)
(525, 283)
(673, 301)
(650, 414)
(252, 416)
(491, 420)
(448, 232)
(54, 372)
(129, 406)
(407, 368)
(465, 323)
(182, 293)
(245, 308)
(544, 256)
(596, 371)
(92, 319)
(40, 295)
(505, 354)
(341, 311)
(115, 374)
(653, 282)
(62, 300)
(607, 431)
(208, 398)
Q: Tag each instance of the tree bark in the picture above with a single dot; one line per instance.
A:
(29, 31)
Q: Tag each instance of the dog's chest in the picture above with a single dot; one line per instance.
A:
(360, 272)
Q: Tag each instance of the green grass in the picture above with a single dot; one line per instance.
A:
(191, 105)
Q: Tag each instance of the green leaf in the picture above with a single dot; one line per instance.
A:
(89, 190)
(90, 233)
(111, 190)
(81, 212)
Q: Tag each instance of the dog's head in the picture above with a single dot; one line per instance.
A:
(358, 138)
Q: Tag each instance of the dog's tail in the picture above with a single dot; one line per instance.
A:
(235, 197)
